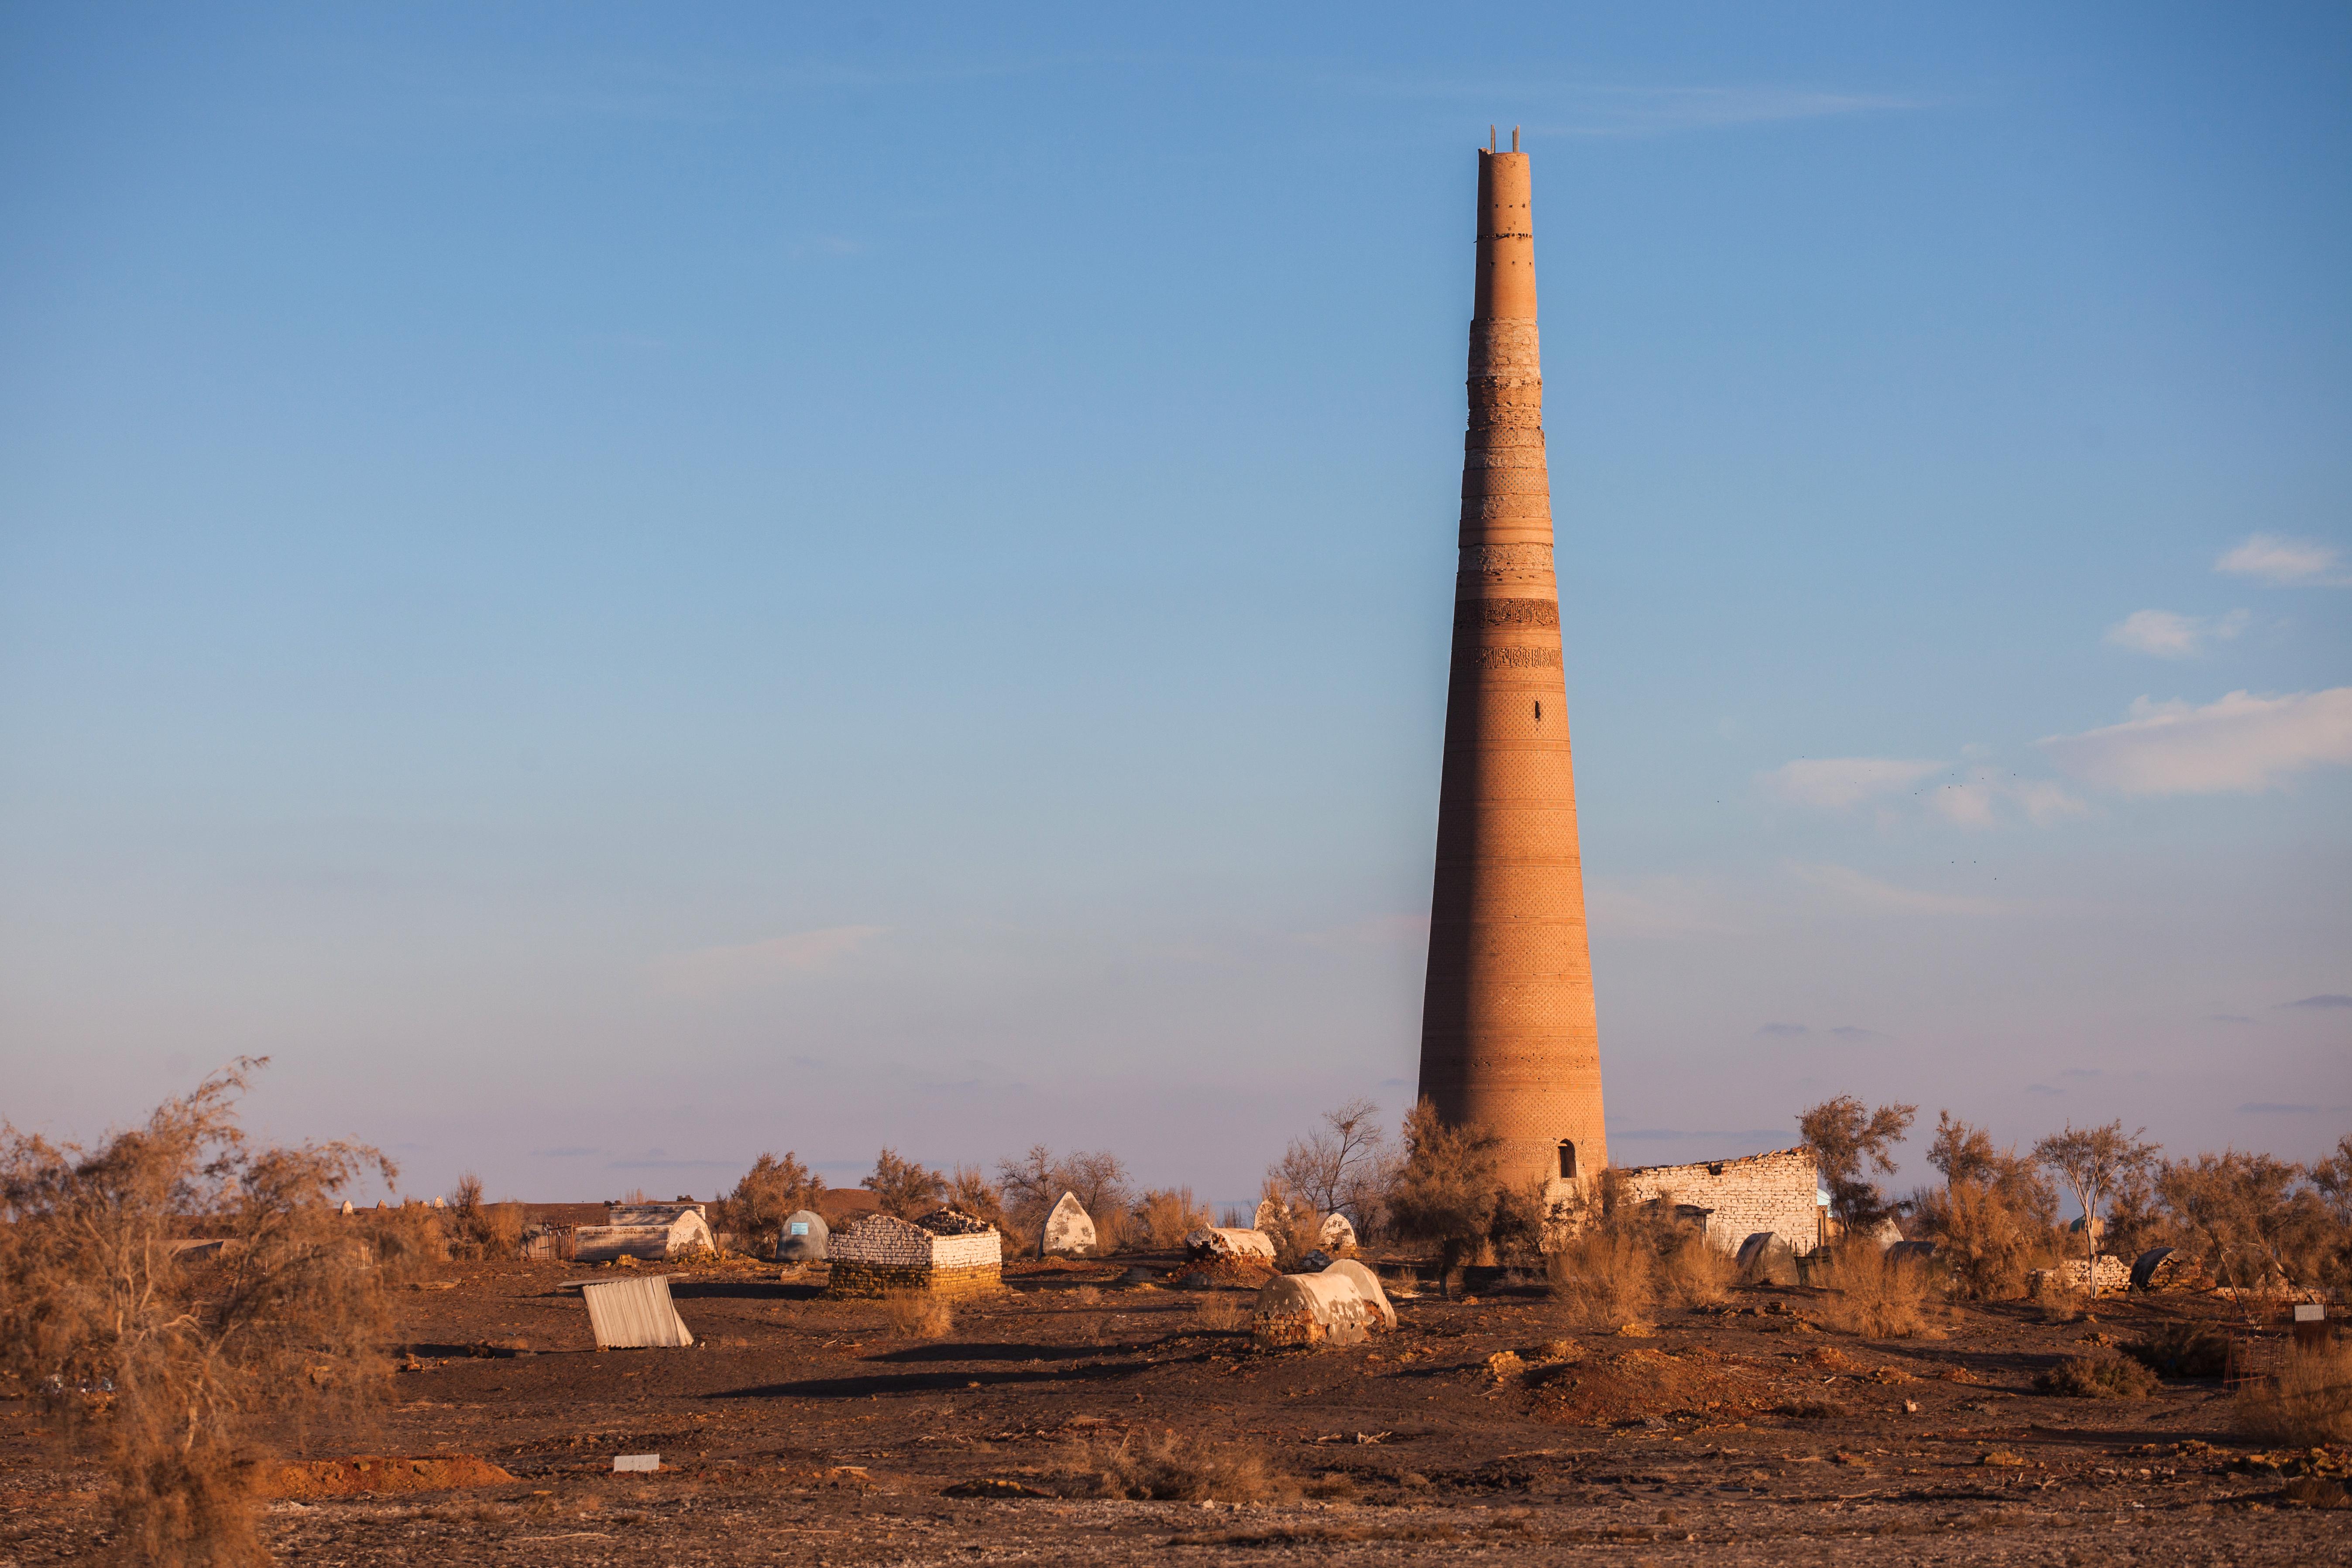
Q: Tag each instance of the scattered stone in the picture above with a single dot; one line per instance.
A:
(992, 1487)
(369, 1473)
(633, 1462)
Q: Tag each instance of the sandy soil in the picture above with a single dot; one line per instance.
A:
(802, 1431)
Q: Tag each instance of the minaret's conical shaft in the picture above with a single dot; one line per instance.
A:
(1507, 1034)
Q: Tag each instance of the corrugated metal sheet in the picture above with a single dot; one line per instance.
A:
(635, 1315)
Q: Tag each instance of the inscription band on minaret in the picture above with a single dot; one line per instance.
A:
(1508, 1038)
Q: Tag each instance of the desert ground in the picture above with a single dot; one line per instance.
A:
(802, 1430)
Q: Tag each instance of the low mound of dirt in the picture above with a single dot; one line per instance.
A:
(369, 1473)
(1637, 1385)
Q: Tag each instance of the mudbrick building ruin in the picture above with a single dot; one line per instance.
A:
(1507, 1034)
(1732, 1200)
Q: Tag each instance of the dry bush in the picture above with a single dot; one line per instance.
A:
(773, 1190)
(474, 1230)
(1605, 1277)
(1869, 1294)
(1445, 1189)
(2256, 1223)
(1220, 1313)
(1164, 1216)
(2097, 1377)
(406, 1241)
(2307, 1405)
(2182, 1348)
(903, 1188)
(970, 1191)
(1987, 1242)
(173, 1371)
(918, 1315)
(1173, 1469)
(1694, 1272)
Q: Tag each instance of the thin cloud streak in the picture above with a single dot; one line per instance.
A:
(2240, 744)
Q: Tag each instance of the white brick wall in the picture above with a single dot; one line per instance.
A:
(1759, 1192)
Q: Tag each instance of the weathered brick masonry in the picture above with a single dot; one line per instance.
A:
(1759, 1192)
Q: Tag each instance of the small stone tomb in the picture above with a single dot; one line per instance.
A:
(946, 1253)
(635, 1315)
(801, 1237)
(650, 1232)
(1299, 1310)
(1337, 1237)
(1069, 1230)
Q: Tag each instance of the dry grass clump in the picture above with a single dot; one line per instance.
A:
(1220, 1313)
(2309, 1403)
(2097, 1377)
(1636, 1259)
(171, 1370)
(1604, 1276)
(1174, 1468)
(918, 1315)
(1871, 1295)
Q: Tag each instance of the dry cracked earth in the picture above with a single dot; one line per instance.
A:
(805, 1431)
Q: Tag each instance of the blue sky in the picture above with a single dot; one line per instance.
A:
(616, 589)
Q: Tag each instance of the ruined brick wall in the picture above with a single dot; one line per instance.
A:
(858, 1280)
(1760, 1192)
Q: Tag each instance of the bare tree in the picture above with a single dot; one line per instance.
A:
(1845, 1138)
(178, 1364)
(2091, 1161)
(2259, 1221)
(1337, 1168)
(1034, 1183)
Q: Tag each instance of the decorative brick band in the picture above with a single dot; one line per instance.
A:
(1508, 658)
(1518, 614)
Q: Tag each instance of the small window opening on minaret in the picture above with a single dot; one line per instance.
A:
(1567, 1161)
(1538, 712)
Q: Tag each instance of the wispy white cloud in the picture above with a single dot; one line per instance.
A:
(1662, 909)
(714, 970)
(1854, 888)
(2286, 563)
(1972, 798)
(2166, 635)
(2242, 743)
(1835, 784)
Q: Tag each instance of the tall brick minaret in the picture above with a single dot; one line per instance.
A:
(1508, 1035)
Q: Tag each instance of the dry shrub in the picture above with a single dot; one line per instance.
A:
(2309, 1403)
(173, 1371)
(1087, 1296)
(1165, 1216)
(1220, 1313)
(406, 1242)
(2058, 1301)
(1693, 1272)
(918, 1315)
(1987, 1241)
(2182, 1348)
(2097, 1377)
(1173, 1469)
(1869, 1294)
(1605, 1277)
(766, 1195)
(475, 1230)
(1633, 1259)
